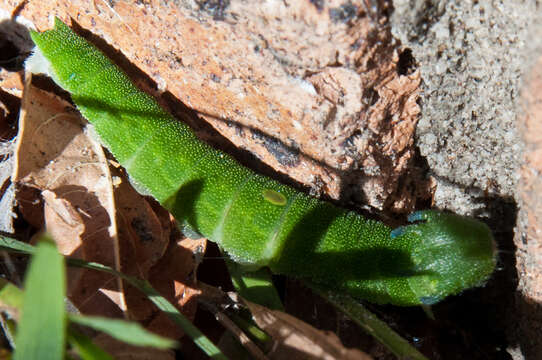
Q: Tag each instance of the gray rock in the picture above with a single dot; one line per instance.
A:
(471, 55)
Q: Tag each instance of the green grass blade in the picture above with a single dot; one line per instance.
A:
(85, 348)
(255, 286)
(371, 324)
(41, 333)
(11, 296)
(16, 246)
(125, 331)
(162, 303)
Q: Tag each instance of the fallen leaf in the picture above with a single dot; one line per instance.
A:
(56, 155)
(123, 351)
(94, 214)
(298, 340)
(7, 190)
(146, 231)
(11, 82)
(175, 278)
(152, 248)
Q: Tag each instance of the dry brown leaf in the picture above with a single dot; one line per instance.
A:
(143, 239)
(30, 205)
(55, 154)
(11, 82)
(145, 230)
(123, 351)
(7, 189)
(84, 209)
(295, 339)
(152, 248)
(175, 278)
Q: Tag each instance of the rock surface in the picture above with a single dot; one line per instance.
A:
(471, 55)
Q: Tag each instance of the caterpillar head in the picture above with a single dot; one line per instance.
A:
(451, 253)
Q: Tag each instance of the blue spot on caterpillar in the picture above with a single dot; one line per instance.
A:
(257, 220)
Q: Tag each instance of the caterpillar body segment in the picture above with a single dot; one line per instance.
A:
(258, 220)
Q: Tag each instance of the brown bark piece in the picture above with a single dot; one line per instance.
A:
(315, 91)
(528, 240)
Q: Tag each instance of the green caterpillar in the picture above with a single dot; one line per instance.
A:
(255, 219)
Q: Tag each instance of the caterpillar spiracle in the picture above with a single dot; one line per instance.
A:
(257, 220)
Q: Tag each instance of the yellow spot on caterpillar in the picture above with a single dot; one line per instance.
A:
(434, 285)
(274, 197)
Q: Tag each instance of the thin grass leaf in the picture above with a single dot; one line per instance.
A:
(125, 331)
(162, 303)
(255, 286)
(85, 348)
(42, 329)
(371, 324)
(252, 330)
(16, 245)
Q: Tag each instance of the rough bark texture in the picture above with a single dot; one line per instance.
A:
(317, 90)
(527, 322)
